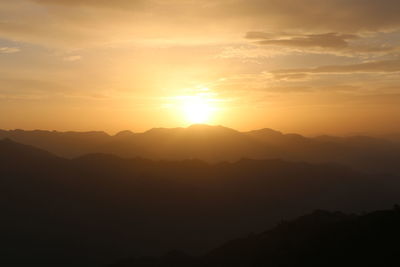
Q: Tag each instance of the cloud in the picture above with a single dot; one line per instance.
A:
(327, 15)
(9, 50)
(342, 15)
(291, 76)
(22, 85)
(327, 40)
(98, 3)
(287, 89)
(72, 58)
(331, 43)
(381, 66)
(51, 22)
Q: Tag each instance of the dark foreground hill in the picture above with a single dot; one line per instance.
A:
(321, 238)
(218, 144)
(99, 208)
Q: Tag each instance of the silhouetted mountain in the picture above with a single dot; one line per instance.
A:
(66, 144)
(321, 238)
(392, 137)
(217, 144)
(124, 134)
(12, 151)
(276, 138)
(100, 208)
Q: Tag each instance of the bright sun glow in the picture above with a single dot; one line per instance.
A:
(197, 109)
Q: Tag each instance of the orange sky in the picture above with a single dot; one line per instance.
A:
(297, 66)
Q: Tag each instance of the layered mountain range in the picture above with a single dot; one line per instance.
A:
(218, 144)
(321, 238)
(98, 208)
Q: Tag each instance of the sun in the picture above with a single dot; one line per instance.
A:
(197, 109)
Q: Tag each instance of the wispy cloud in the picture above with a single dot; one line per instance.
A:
(72, 58)
(331, 43)
(381, 66)
(83, 21)
(326, 40)
(9, 50)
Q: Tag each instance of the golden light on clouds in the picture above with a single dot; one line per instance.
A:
(244, 64)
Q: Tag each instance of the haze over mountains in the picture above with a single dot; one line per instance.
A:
(200, 195)
(321, 238)
(100, 208)
(93, 198)
(217, 144)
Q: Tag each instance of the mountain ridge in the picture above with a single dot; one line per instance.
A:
(219, 143)
(101, 208)
(320, 238)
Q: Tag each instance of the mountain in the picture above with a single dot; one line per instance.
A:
(99, 208)
(321, 238)
(66, 144)
(217, 144)
(395, 137)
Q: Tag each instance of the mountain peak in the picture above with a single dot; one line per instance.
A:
(266, 131)
(9, 149)
(206, 127)
(125, 133)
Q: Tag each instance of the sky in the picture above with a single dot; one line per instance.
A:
(306, 66)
